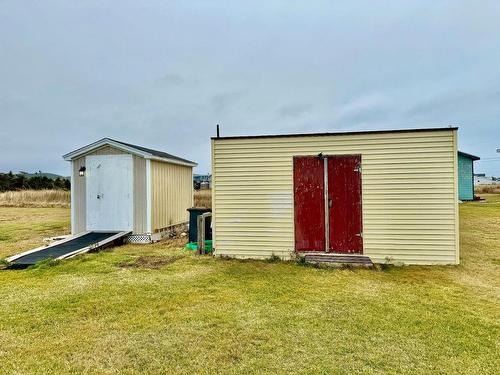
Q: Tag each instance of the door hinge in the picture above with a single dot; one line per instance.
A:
(360, 234)
(357, 169)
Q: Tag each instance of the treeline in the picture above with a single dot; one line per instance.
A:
(10, 181)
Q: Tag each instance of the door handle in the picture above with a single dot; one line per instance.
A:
(330, 203)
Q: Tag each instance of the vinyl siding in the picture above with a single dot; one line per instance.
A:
(171, 194)
(409, 194)
(79, 191)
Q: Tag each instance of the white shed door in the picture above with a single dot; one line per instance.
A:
(109, 184)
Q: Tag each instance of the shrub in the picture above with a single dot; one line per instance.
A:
(273, 259)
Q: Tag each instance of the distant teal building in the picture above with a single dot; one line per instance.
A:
(466, 176)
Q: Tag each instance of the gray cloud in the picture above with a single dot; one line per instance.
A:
(294, 110)
(223, 102)
(461, 101)
(169, 80)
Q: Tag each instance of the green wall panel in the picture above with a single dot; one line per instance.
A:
(465, 181)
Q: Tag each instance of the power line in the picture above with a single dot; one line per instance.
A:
(491, 158)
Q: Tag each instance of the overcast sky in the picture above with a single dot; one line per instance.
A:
(162, 74)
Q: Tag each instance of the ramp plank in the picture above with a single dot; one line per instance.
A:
(58, 250)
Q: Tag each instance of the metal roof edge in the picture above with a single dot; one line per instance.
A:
(172, 161)
(338, 133)
(125, 147)
(470, 156)
(102, 142)
(158, 154)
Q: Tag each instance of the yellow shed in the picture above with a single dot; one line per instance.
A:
(117, 186)
(388, 195)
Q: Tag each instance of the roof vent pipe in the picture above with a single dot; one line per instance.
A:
(218, 134)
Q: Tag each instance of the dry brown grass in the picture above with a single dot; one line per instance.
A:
(35, 198)
(61, 198)
(150, 262)
(203, 198)
(487, 189)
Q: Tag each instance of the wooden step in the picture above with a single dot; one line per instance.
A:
(354, 260)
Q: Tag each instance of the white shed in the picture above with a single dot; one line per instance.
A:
(117, 186)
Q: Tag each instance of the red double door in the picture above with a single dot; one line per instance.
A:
(327, 203)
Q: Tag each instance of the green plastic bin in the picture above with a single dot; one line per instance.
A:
(194, 246)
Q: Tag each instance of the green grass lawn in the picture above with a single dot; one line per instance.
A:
(113, 312)
(24, 228)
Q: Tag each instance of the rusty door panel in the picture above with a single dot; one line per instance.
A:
(309, 203)
(345, 212)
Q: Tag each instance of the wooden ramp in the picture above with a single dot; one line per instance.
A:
(66, 248)
(339, 259)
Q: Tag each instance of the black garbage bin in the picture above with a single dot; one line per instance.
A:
(194, 212)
